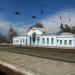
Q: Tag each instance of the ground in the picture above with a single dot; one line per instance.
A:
(37, 65)
(49, 53)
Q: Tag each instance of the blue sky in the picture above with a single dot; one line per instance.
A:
(28, 8)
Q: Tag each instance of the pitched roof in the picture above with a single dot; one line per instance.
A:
(66, 33)
(42, 29)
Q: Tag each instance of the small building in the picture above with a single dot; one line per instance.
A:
(39, 37)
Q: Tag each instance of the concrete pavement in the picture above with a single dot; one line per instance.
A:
(30, 65)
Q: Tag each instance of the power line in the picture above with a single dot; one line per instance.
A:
(43, 5)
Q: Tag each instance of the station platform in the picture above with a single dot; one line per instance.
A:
(30, 65)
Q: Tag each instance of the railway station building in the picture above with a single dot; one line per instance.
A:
(39, 37)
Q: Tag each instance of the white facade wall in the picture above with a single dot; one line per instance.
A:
(50, 40)
(16, 40)
(67, 44)
(22, 40)
(38, 41)
(25, 40)
(34, 30)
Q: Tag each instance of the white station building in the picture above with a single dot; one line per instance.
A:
(39, 37)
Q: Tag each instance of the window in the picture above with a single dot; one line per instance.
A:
(52, 41)
(60, 41)
(23, 40)
(65, 42)
(38, 39)
(57, 40)
(17, 41)
(70, 42)
(47, 40)
(43, 40)
(14, 41)
(26, 41)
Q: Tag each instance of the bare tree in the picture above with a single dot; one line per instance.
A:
(12, 32)
(38, 25)
(73, 30)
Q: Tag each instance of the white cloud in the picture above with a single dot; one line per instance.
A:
(22, 29)
(4, 27)
(53, 22)
(50, 22)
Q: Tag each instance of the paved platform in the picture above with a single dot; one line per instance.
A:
(30, 65)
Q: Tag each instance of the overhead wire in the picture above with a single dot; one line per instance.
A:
(43, 5)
